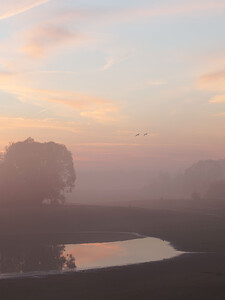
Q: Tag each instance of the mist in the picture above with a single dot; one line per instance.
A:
(112, 161)
(56, 220)
(203, 180)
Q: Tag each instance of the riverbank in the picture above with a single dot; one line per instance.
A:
(190, 276)
(187, 231)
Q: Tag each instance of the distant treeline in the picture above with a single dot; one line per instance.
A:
(203, 180)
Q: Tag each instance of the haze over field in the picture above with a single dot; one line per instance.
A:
(112, 149)
(93, 74)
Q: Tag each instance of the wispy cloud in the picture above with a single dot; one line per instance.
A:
(141, 12)
(215, 82)
(104, 115)
(218, 99)
(41, 40)
(54, 33)
(16, 122)
(10, 8)
(96, 108)
(214, 76)
(76, 101)
(155, 83)
(110, 62)
(148, 84)
(173, 9)
(54, 72)
(115, 59)
(220, 114)
(100, 144)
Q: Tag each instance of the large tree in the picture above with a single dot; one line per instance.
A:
(31, 172)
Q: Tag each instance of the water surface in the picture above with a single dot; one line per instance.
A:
(43, 259)
(100, 255)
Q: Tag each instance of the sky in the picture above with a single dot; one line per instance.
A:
(92, 74)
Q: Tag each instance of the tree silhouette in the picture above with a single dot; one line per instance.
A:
(216, 190)
(31, 172)
(38, 257)
(199, 177)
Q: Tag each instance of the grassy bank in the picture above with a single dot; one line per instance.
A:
(192, 276)
(188, 231)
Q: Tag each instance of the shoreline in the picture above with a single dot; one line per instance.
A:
(123, 237)
(52, 273)
(66, 238)
(199, 275)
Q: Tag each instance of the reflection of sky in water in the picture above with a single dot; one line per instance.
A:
(38, 260)
(96, 255)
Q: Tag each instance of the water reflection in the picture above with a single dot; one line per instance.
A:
(100, 255)
(21, 259)
(43, 259)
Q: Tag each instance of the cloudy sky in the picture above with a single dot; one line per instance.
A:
(91, 74)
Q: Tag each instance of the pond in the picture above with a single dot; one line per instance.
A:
(41, 260)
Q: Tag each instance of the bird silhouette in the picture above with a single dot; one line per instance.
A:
(137, 134)
(145, 133)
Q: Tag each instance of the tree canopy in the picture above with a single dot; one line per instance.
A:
(31, 172)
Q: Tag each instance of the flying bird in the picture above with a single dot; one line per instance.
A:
(137, 134)
(145, 133)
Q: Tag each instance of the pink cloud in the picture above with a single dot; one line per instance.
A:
(11, 8)
(214, 81)
(18, 123)
(97, 108)
(42, 39)
(218, 99)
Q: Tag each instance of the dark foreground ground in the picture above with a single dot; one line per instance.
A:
(190, 276)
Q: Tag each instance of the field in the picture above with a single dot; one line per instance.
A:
(199, 274)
